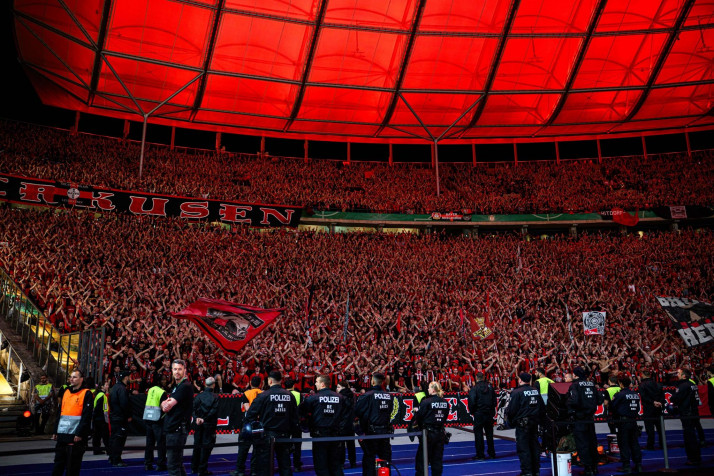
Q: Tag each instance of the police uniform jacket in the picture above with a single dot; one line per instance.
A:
(626, 404)
(119, 406)
(686, 397)
(651, 392)
(583, 398)
(325, 412)
(276, 410)
(482, 399)
(205, 405)
(432, 414)
(374, 409)
(85, 421)
(526, 402)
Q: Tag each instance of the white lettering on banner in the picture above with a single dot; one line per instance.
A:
(280, 398)
(689, 337)
(703, 334)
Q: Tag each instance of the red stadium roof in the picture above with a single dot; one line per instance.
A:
(378, 70)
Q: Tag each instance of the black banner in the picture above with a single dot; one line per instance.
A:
(694, 320)
(30, 191)
(683, 212)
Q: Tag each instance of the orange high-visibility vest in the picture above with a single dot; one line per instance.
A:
(71, 413)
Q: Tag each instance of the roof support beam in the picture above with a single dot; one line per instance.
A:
(496, 62)
(683, 13)
(402, 69)
(209, 57)
(101, 41)
(578, 61)
(308, 64)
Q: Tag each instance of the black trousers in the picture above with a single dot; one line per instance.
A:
(204, 439)
(652, 423)
(483, 424)
(328, 459)
(260, 463)
(40, 417)
(296, 450)
(100, 435)
(434, 451)
(175, 444)
(628, 443)
(117, 439)
(528, 449)
(347, 450)
(691, 442)
(68, 457)
(372, 449)
(243, 448)
(155, 439)
(586, 443)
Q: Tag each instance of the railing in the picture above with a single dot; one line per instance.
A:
(19, 382)
(56, 353)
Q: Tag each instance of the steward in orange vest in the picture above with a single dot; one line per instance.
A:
(73, 426)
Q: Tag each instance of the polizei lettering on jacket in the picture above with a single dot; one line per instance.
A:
(440, 405)
(280, 398)
(382, 396)
(531, 393)
(329, 399)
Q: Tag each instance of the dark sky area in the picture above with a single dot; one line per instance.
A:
(22, 103)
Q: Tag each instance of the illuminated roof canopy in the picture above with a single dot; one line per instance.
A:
(378, 70)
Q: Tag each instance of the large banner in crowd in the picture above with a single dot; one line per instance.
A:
(32, 191)
(594, 323)
(694, 320)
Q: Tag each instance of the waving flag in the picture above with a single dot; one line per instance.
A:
(231, 326)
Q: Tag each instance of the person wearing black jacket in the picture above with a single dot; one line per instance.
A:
(276, 410)
(205, 418)
(347, 448)
(374, 409)
(119, 419)
(652, 404)
(177, 408)
(431, 416)
(325, 414)
(73, 426)
(625, 408)
(583, 400)
(525, 412)
(482, 404)
(686, 398)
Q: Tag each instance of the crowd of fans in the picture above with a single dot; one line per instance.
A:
(542, 187)
(406, 296)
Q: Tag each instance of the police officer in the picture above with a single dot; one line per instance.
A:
(276, 410)
(100, 420)
(482, 404)
(686, 398)
(297, 446)
(374, 409)
(583, 400)
(119, 419)
(347, 448)
(73, 426)
(652, 404)
(431, 417)
(625, 408)
(525, 412)
(177, 408)
(205, 418)
(325, 414)
(154, 423)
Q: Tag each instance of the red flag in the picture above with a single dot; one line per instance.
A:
(623, 218)
(229, 325)
(399, 322)
(481, 328)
